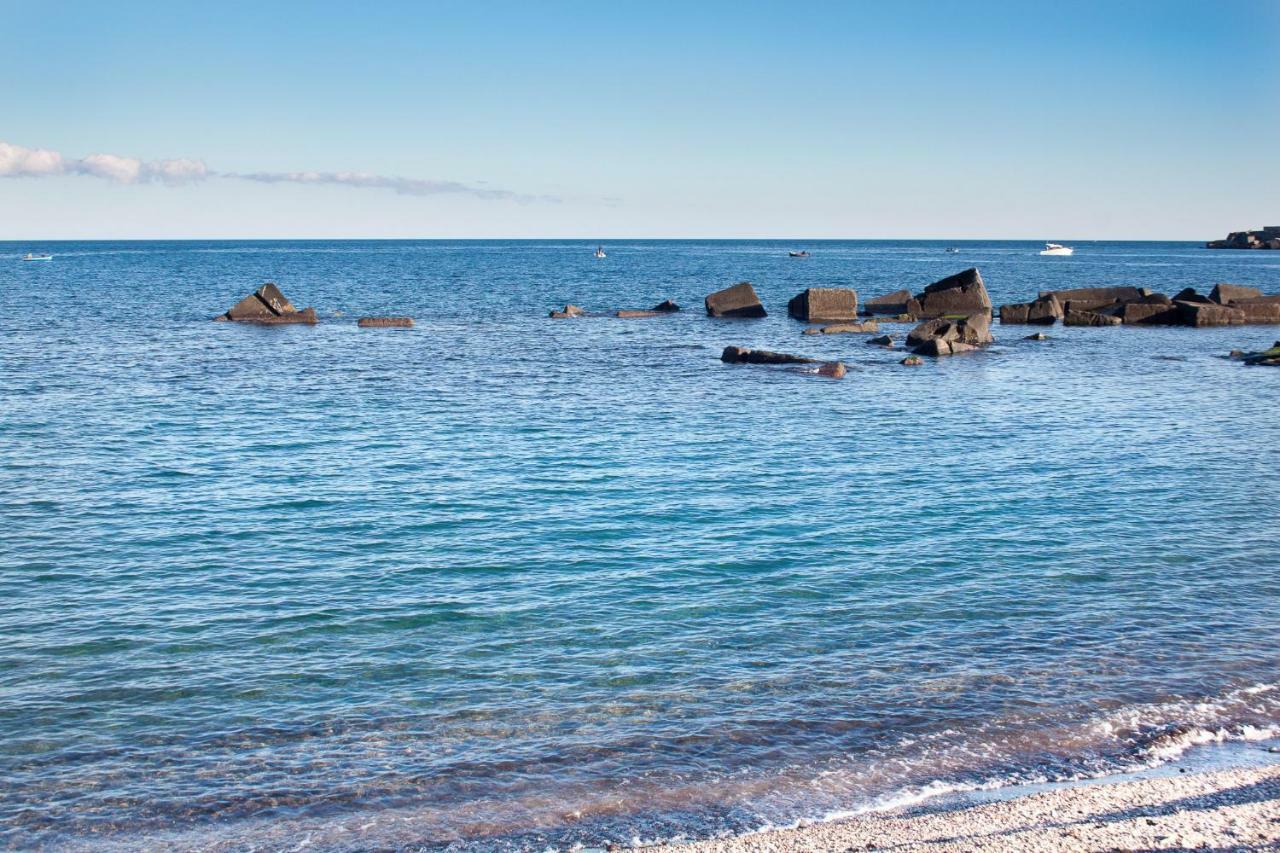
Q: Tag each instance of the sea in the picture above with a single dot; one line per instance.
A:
(504, 582)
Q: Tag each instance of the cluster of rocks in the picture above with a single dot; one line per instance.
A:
(1226, 305)
(1267, 238)
(269, 306)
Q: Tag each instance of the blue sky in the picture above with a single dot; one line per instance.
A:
(1042, 121)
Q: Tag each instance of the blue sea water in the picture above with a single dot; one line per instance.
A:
(504, 582)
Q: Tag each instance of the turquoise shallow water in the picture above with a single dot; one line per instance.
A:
(502, 581)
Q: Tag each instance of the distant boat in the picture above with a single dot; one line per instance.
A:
(800, 254)
(600, 252)
(30, 257)
(951, 250)
(1055, 249)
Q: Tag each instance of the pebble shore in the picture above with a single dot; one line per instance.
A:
(1222, 810)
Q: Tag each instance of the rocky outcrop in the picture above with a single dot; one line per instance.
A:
(268, 305)
(742, 355)
(824, 304)
(960, 294)
(666, 306)
(898, 302)
(737, 301)
(385, 322)
(865, 327)
(1267, 238)
(882, 341)
(1044, 311)
(1072, 317)
(568, 312)
(973, 330)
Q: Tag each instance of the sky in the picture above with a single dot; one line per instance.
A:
(1054, 121)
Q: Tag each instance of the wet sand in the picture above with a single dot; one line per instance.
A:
(1227, 809)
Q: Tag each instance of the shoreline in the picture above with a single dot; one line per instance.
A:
(1223, 796)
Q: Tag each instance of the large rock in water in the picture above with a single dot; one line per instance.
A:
(1201, 314)
(960, 294)
(742, 355)
(898, 302)
(1093, 298)
(1043, 312)
(1225, 294)
(737, 301)
(824, 304)
(268, 305)
(1150, 314)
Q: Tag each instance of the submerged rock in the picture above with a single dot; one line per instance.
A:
(1038, 336)
(666, 306)
(742, 355)
(268, 305)
(912, 361)
(385, 323)
(865, 327)
(737, 301)
(1263, 358)
(882, 341)
(822, 304)
(568, 312)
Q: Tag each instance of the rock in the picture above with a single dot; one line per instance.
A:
(569, 311)
(974, 330)
(1038, 336)
(1189, 294)
(823, 304)
(1088, 318)
(912, 361)
(882, 341)
(942, 346)
(1150, 314)
(1201, 314)
(832, 369)
(268, 305)
(1267, 238)
(1044, 311)
(737, 301)
(627, 314)
(891, 303)
(962, 293)
(865, 327)
(1225, 294)
(385, 322)
(667, 307)
(1093, 298)
(742, 355)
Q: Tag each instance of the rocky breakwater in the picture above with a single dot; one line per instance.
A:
(737, 301)
(742, 355)
(1267, 238)
(958, 295)
(1226, 304)
(267, 305)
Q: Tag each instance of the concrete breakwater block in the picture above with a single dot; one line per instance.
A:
(385, 322)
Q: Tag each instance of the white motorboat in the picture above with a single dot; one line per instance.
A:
(32, 257)
(600, 252)
(1055, 249)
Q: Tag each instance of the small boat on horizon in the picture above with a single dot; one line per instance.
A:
(800, 254)
(951, 250)
(1056, 249)
(29, 256)
(600, 252)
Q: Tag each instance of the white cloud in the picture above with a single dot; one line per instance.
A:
(17, 161)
